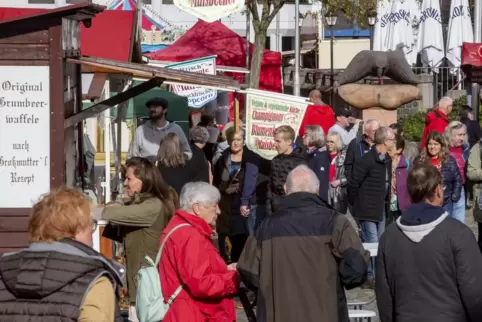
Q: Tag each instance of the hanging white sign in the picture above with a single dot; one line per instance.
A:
(197, 97)
(210, 10)
(24, 135)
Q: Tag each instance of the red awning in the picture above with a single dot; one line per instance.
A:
(109, 37)
(472, 61)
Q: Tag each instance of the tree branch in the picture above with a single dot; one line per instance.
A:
(276, 8)
(253, 8)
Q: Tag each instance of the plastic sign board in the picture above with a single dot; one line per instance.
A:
(210, 10)
(265, 111)
(24, 135)
(197, 97)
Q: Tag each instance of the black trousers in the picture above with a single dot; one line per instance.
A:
(237, 245)
(479, 239)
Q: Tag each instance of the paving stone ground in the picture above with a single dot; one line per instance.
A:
(367, 295)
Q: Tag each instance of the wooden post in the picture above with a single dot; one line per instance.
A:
(236, 115)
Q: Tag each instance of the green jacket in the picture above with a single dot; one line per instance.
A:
(474, 173)
(141, 223)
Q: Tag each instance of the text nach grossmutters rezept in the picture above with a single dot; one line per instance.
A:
(21, 110)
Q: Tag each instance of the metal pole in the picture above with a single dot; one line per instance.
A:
(278, 38)
(332, 69)
(371, 37)
(296, 90)
(477, 38)
(248, 28)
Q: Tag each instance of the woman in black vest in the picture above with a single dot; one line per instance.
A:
(59, 276)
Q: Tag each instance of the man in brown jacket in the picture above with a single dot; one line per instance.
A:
(303, 257)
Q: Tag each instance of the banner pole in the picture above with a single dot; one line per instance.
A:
(236, 116)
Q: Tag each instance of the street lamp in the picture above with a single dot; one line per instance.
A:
(372, 20)
(331, 22)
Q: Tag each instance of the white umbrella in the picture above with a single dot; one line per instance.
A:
(460, 30)
(381, 26)
(430, 41)
(400, 28)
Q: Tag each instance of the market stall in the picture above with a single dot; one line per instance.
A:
(42, 51)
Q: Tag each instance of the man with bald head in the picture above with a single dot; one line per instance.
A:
(317, 114)
(303, 257)
(437, 120)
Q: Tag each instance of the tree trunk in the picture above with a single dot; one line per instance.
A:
(259, 44)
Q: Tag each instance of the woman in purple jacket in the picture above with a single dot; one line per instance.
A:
(400, 165)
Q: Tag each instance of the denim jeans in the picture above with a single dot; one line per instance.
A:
(256, 216)
(458, 208)
(370, 233)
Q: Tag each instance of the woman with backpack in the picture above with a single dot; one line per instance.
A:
(194, 277)
(139, 221)
(400, 199)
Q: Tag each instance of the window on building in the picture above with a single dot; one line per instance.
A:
(41, 1)
(147, 2)
(167, 2)
(267, 44)
(287, 43)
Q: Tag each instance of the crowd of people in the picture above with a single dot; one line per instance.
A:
(283, 227)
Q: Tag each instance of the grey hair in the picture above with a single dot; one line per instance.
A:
(370, 124)
(383, 134)
(444, 102)
(302, 179)
(411, 150)
(338, 140)
(449, 130)
(199, 134)
(316, 135)
(198, 192)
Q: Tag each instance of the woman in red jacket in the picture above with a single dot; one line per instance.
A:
(190, 258)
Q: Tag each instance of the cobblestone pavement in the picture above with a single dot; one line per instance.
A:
(367, 295)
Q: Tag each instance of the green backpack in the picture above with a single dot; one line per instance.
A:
(150, 304)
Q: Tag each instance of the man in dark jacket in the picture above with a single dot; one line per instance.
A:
(288, 158)
(474, 132)
(359, 146)
(369, 188)
(302, 258)
(428, 264)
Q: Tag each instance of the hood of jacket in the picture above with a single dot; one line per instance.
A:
(41, 258)
(435, 115)
(419, 220)
(298, 152)
(155, 128)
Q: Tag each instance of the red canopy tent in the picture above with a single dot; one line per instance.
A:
(107, 37)
(207, 39)
(472, 61)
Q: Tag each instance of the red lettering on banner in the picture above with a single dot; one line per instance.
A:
(265, 145)
(267, 116)
(211, 3)
(259, 130)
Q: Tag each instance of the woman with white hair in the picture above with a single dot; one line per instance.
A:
(318, 158)
(337, 179)
(189, 259)
(455, 134)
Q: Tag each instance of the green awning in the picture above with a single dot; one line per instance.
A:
(177, 112)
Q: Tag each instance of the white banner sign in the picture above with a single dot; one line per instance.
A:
(197, 97)
(265, 112)
(24, 135)
(210, 10)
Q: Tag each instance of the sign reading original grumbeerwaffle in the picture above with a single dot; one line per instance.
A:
(210, 10)
(265, 111)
